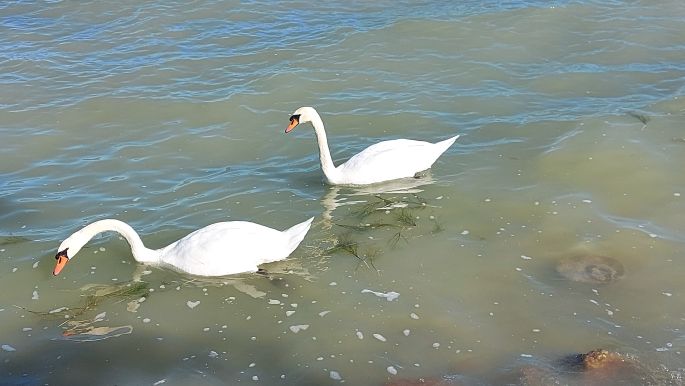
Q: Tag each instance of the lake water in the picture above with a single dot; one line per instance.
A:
(170, 116)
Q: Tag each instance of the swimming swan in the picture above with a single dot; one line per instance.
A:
(383, 161)
(223, 248)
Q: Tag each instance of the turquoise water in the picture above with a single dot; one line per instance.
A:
(170, 116)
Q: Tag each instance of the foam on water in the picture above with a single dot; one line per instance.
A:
(171, 117)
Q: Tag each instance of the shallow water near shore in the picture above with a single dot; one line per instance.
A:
(170, 117)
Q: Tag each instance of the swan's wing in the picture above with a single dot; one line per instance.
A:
(226, 248)
(388, 160)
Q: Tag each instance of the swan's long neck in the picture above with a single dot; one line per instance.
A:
(327, 165)
(140, 252)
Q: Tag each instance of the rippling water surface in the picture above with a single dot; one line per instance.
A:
(170, 116)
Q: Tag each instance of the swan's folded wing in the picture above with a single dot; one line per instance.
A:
(388, 160)
(226, 248)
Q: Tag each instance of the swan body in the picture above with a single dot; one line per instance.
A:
(218, 249)
(383, 161)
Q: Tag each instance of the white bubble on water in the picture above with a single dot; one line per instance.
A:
(335, 375)
(389, 296)
(392, 370)
(379, 337)
(298, 328)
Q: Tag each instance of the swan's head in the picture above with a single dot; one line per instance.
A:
(302, 115)
(67, 250)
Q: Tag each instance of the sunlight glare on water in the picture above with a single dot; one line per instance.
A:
(552, 227)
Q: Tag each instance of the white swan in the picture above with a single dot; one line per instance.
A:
(219, 249)
(383, 161)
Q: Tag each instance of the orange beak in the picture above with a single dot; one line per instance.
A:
(62, 260)
(293, 122)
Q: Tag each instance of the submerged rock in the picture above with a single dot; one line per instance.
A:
(592, 360)
(596, 367)
(601, 359)
(591, 269)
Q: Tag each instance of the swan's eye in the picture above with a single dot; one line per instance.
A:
(295, 118)
(61, 254)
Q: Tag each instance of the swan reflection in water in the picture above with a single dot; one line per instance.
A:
(338, 196)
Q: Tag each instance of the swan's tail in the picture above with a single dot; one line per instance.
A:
(296, 233)
(444, 145)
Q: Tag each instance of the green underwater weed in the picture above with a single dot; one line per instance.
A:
(398, 213)
(345, 243)
(9, 240)
(640, 117)
(102, 293)
(437, 227)
(405, 218)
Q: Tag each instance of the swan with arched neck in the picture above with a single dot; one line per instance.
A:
(383, 161)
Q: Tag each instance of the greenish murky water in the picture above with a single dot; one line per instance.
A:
(170, 116)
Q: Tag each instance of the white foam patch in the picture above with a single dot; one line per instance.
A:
(389, 296)
(299, 327)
